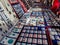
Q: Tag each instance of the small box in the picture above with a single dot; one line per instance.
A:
(26, 35)
(32, 28)
(35, 35)
(27, 31)
(43, 32)
(52, 37)
(34, 40)
(24, 31)
(39, 32)
(39, 36)
(57, 37)
(22, 34)
(20, 39)
(24, 40)
(35, 32)
(44, 37)
(30, 35)
(45, 42)
(56, 33)
(29, 40)
(39, 41)
(31, 31)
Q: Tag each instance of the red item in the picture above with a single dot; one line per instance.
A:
(23, 5)
(13, 1)
(55, 5)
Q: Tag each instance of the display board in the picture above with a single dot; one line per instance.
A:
(32, 33)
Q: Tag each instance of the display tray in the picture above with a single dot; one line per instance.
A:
(18, 9)
(55, 35)
(32, 35)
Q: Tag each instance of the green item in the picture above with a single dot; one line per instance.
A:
(10, 41)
